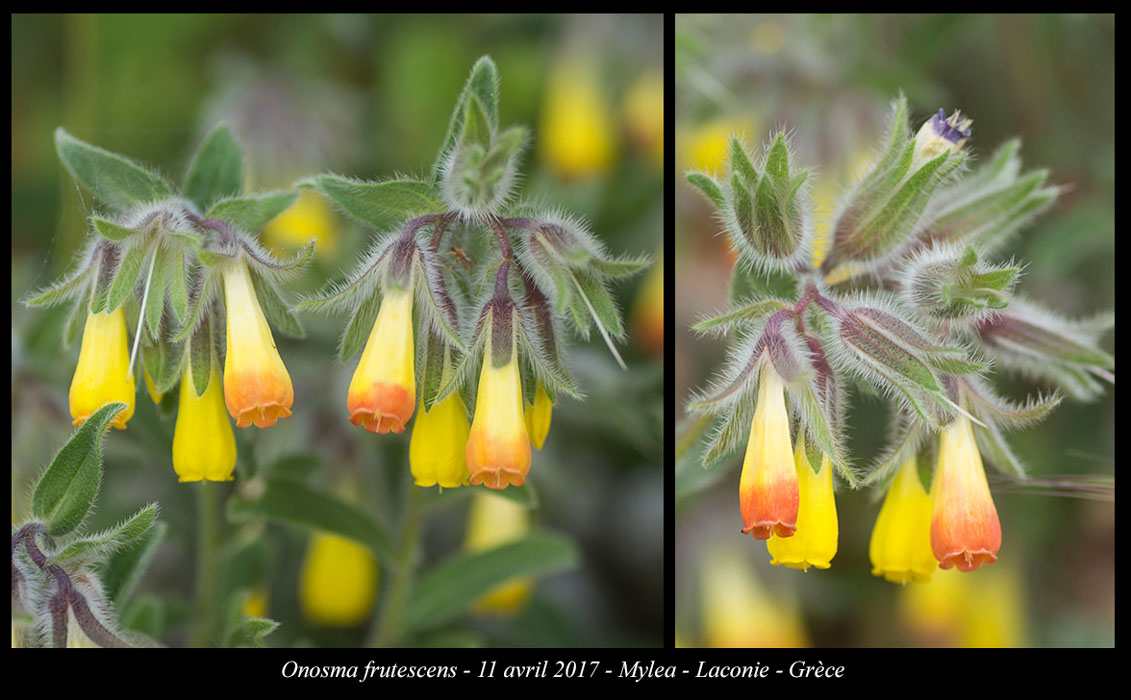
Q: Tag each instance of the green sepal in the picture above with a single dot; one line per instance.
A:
(740, 163)
(125, 566)
(110, 540)
(155, 302)
(66, 491)
(252, 212)
(178, 283)
(249, 632)
(709, 187)
(66, 289)
(125, 277)
(110, 230)
(217, 169)
(476, 130)
(359, 327)
(118, 181)
(200, 356)
(740, 316)
(274, 308)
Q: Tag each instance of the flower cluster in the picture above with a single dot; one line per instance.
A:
(464, 285)
(181, 266)
(907, 302)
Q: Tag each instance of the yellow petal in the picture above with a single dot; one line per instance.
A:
(102, 375)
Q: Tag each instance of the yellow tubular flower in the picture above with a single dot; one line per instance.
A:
(493, 521)
(257, 388)
(437, 451)
(382, 394)
(309, 217)
(900, 548)
(965, 531)
(338, 584)
(498, 449)
(815, 542)
(204, 446)
(768, 488)
(537, 417)
(102, 375)
(576, 133)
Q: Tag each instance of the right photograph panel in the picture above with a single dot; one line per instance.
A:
(894, 345)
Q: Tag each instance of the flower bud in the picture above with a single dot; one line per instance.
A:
(257, 387)
(437, 451)
(815, 541)
(338, 584)
(768, 488)
(900, 548)
(946, 284)
(102, 375)
(965, 531)
(204, 447)
(766, 209)
(938, 135)
(382, 394)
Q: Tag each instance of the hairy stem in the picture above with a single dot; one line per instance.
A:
(207, 547)
(387, 629)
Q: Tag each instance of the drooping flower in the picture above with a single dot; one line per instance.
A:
(768, 488)
(537, 417)
(498, 449)
(965, 531)
(437, 452)
(257, 387)
(382, 394)
(204, 446)
(492, 522)
(338, 585)
(900, 549)
(815, 541)
(102, 375)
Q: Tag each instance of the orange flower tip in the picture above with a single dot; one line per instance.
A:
(498, 479)
(762, 531)
(386, 408)
(262, 416)
(376, 423)
(968, 561)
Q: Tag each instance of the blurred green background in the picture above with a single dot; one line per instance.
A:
(829, 81)
(368, 97)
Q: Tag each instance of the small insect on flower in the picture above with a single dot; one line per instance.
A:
(257, 387)
(382, 394)
(103, 375)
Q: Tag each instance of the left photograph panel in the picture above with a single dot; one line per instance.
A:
(337, 331)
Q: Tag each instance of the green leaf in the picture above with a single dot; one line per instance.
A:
(217, 169)
(116, 180)
(111, 231)
(125, 566)
(620, 267)
(743, 314)
(484, 85)
(777, 160)
(294, 503)
(253, 211)
(113, 539)
(740, 162)
(155, 303)
(384, 205)
(476, 130)
(709, 187)
(66, 491)
(63, 290)
(602, 308)
(178, 283)
(450, 588)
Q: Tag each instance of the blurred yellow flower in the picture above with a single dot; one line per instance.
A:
(644, 115)
(255, 604)
(738, 612)
(492, 522)
(648, 310)
(980, 609)
(310, 217)
(102, 375)
(576, 131)
(338, 584)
